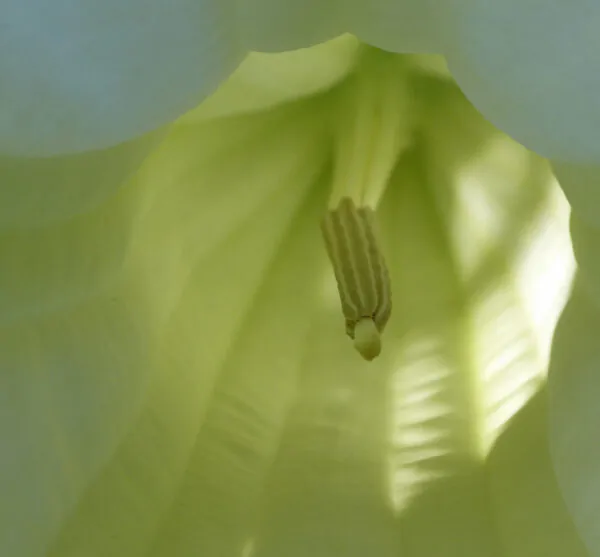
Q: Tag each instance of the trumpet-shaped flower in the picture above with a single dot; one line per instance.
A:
(176, 377)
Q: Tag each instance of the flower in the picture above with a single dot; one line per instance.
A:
(175, 375)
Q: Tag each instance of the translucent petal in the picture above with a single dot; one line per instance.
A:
(58, 267)
(42, 191)
(529, 510)
(266, 80)
(390, 461)
(70, 384)
(214, 507)
(405, 26)
(213, 216)
(581, 184)
(277, 25)
(574, 391)
(83, 75)
(438, 421)
(212, 349)
(531, 68)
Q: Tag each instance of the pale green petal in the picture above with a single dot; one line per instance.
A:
(533, 71)
(88, 74)
(574, 392)
(438, 423)
(214, 507)
(215, 211)
(397, 26)
(59, 266)
(39, 192)
(266, 80)
(581, 184)
(190, 389)
(529, 510)
(487, 361)
(71, 382)
(585, 246)
(277, 25)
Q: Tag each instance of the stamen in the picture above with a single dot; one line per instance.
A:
(361, 274)
(374, 127)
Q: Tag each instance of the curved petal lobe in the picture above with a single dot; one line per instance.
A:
(265, 80)
(532, 69)
(406, 26)
(81, 75)
(37, 192)
(574, 384)
(276, 25)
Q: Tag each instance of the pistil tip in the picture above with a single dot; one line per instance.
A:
(366, 339)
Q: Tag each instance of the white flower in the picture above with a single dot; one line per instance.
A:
(174, 375)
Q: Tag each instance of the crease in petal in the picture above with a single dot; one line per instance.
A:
(214, 511)
(326, 491)
(211, 268)
(374, 125)
(79, 76)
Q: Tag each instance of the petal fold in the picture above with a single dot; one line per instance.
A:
(218, 200)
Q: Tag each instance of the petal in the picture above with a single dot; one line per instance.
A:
(277, 25)
(88, 75)
(531, 68)
(437, 425)
(266, 80)
(58, 267)
(573, 379)
(405, 26)
(581, 184)
(217, 201)
(214, 507)
(39, 192)
(574, 391)
(530, 513)
(70, 384)
(245, 418)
